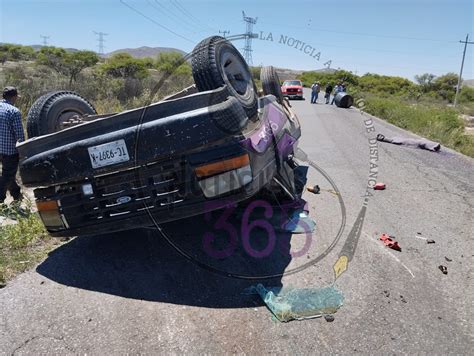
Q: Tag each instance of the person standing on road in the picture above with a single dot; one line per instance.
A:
(315, 89)
(11, 132)
(337, 90)
(327, 96)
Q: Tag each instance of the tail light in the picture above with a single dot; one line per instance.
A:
(224, 176)
(49, 213)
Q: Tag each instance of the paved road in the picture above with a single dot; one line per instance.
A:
(133, 293)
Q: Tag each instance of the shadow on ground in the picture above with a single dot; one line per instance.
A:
(140, 264)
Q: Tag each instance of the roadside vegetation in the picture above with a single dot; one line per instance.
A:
(22, 244)
(114, 84)
(424, 107)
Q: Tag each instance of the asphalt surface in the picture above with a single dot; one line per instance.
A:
(132, 292)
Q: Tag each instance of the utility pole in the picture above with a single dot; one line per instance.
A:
(458, 87)
(45, 40)
(248, 38)
(101, 41)
(224, 32)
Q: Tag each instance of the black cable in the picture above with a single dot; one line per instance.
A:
(155, 22)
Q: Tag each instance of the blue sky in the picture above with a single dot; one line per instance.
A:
(394, 37)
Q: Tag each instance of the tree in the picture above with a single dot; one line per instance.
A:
(425, 81)
(148, 62)
(11, 52)
(445, 86)
(466, 95)
(172, 63)
(385, 85)
(255, 72)
(76, 62)
(123, 65)
(70, 64)
(52, 57)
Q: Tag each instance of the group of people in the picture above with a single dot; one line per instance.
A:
(316, 89)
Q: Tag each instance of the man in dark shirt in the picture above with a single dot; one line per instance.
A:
(327, 96)
(11, 132)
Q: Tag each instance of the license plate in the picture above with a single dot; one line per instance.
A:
(108, 154)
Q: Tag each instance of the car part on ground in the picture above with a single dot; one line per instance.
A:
(271, 83)
(344, 100)
(216, 62)
(51, 112)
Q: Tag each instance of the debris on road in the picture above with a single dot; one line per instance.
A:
(420, 143)
(448, 259)
(288, 304)
(314, 190)
(390, 243)
(298, 222)
(443, 269)
(379, 186)
(329, 318)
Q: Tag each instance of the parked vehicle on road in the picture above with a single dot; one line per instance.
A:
(214, 141)
(292, 89)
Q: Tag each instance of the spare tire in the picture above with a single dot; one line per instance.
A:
(216, 62)
(344, 100)
(271, 83)
(49, 112)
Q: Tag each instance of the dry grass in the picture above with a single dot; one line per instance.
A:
(23, 244)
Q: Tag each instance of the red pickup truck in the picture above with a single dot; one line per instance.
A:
(293, 89)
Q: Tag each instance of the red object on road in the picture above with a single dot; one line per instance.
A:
(379, 186)
(390, 243)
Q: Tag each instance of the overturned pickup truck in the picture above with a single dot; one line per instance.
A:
(216, 141)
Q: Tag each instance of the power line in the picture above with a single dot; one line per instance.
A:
(250, 21)
(364, 34)
(101, 41)
(458, 87)
(45, 40)
(224, 33)
(155, 22)
(183, 10)
(167, 12)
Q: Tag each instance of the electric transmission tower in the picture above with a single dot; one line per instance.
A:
(101, 41)
(224, 32)
(45, 40)
(250, 21)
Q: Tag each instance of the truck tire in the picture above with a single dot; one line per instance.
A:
(271, 83)
(50, 111)
(216, 62)
(344, 100)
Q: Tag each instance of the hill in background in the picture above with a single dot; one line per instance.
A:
(468, 83)
(145, 51)
(287, 74)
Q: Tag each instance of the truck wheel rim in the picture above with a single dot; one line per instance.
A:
(236, 73)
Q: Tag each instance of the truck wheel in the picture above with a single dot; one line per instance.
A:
(49, 113)
(271, 83)
(216, 62)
